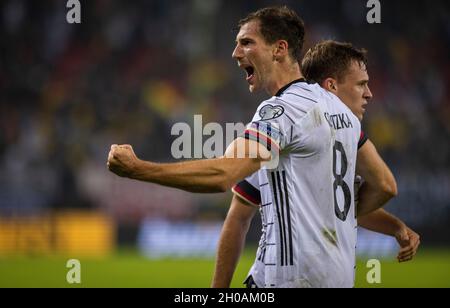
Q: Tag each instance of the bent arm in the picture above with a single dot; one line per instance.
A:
(379, 186)
(232, 240)
(383, 222)
(204, 176)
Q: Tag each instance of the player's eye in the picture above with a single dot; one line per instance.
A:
(364, 83)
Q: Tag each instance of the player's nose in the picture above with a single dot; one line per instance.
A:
(368, 94)
(237, 53)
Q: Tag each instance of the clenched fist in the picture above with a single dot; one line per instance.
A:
(122, 160)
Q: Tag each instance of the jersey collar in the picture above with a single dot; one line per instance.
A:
(281, 91)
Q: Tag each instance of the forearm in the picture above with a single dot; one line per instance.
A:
(230, 248)
(382, 222)
(372, 198)
(231, 242)
(201, 176)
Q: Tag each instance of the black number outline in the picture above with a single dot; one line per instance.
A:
(339, 182)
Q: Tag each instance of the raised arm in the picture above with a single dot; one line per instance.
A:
(204, 176)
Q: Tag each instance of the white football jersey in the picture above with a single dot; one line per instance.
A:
(306, 202)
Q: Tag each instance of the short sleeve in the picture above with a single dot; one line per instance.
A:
(248, 190)
(269, 126)
(362, 139)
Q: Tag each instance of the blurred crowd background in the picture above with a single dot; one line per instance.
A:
(132, 69)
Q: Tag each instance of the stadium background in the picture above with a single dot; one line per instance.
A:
(129, 72)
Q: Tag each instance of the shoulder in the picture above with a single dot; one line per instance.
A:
(296, 101)
(302, 93)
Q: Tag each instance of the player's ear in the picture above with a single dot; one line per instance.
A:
(330, 84)
(281, 49)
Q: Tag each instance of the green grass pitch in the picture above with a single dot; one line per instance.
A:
(430, 268)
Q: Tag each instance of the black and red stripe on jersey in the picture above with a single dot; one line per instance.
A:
(362, 139)
(247, 192)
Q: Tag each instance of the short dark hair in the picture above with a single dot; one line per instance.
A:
(331, 59)
(280, 23)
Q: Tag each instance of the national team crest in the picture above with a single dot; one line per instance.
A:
(269, 112)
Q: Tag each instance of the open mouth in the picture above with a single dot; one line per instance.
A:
(250, 72)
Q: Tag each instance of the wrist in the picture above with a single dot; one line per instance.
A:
(400, 227)
(139, 169)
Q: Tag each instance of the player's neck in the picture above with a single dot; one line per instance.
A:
(284, 76)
